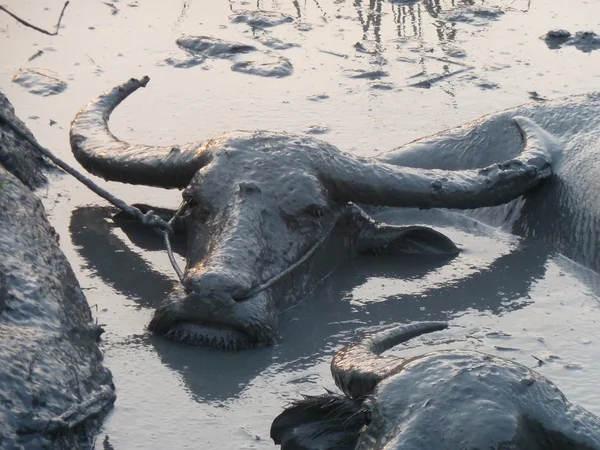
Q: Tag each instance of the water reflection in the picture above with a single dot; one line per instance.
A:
(313, 328)
(407, 18)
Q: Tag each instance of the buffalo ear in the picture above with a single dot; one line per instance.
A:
(412, 240)
(328, 422)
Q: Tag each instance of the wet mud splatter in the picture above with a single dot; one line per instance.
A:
(261, 19)
(260, 63)
(276, 44)
(363, 74)
(213, 47)
(265, 66)
(585, 41)
(182, 63)
(382, 86)
(317, 129)
(40, 82)
(474, 15)
(318, 97)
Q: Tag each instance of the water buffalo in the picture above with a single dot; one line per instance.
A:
(443, 400)
(54, 390)
(565, 213)
(260, 205)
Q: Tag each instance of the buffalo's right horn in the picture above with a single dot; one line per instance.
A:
(358, 368)
(366, 180)
(101, 153)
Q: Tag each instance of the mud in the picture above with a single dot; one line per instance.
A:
(39, 82)
(213, 47)
(261, 18)
(182, 63)
(276, 44)
(369, 75)
(585, 41)
(474, 15)
(265, 66)
(261, 63)
(502, 291)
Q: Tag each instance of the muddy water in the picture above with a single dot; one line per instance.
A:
(367, 76)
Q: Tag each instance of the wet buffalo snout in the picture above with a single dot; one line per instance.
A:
(215, 285)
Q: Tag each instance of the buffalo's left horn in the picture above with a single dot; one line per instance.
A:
(101, 153)
(358, 368)
(369, 181)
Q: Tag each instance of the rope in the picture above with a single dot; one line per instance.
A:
(275, 278)
(168, 242)
(150, 218)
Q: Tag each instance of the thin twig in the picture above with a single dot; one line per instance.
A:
(35, 55)
(431, 81)
(114, 9)
(27, 24)
(540, 362)
(449, 61)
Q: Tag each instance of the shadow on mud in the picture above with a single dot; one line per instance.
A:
(316, 326)
(107, 255)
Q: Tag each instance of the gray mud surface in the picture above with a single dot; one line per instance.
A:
(447, 63)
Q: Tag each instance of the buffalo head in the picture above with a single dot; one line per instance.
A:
(443, 400)
(259, 204)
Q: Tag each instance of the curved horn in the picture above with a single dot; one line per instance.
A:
(372, 182)
(102, 154)
(358, 367)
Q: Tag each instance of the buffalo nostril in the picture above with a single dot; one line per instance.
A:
(239, 295)
(188, 288)
(190, 284)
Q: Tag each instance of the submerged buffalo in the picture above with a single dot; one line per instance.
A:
(54, 390)
(443, 400)
(260, 205)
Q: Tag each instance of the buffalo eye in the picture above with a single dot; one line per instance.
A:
(367, 417)
(367, 413)
(191, 201)
(188, 196)
(200, 209)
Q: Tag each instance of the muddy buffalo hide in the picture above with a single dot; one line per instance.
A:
(54, 390)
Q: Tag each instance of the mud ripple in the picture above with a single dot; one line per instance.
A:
(276, 44)
(247, 58)
(40, 82)
(317, 129)
(474, 15)
(182, 63)
(382, 86)
(317, 97)
(585, 41)
(261, 19)
(265, 65)
(368, 74)
(213, 47)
